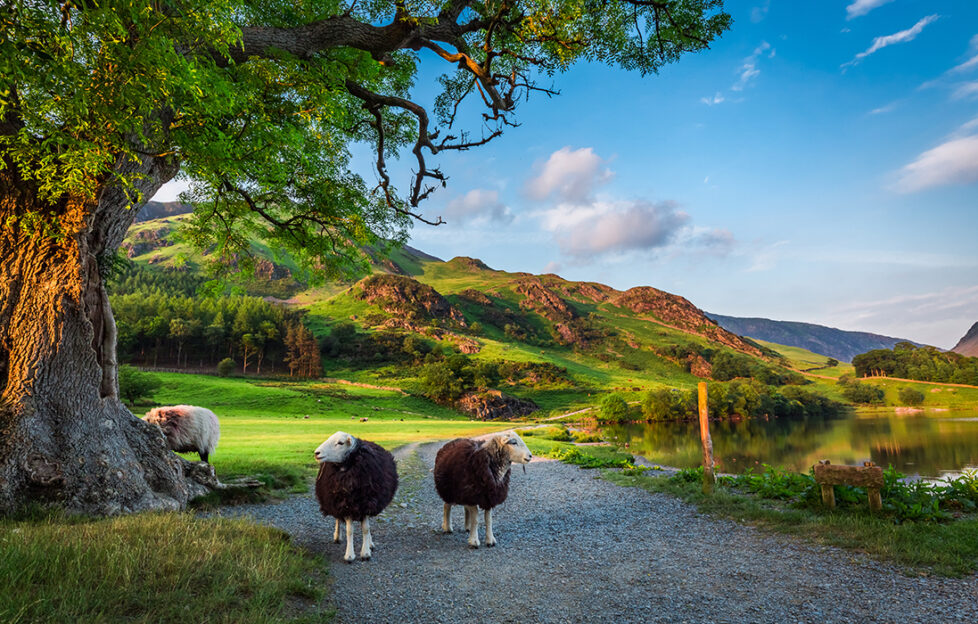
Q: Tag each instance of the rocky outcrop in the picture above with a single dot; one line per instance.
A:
(678, 312)
(968, 345)
(494, 405)
(465, 263)
(266, 269)
(699, 366)
(590, 292)
(541, 299)
(145, 241)
(397, 294)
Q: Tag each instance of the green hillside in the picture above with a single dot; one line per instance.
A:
(456, 331)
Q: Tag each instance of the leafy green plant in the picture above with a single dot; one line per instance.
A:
(135, 384)
(226, 367)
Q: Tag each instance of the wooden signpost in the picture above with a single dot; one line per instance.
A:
(708, 477)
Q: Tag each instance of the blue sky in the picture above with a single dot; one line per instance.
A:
(818, 164)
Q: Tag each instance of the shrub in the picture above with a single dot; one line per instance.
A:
(226, 367)
(858, 392)
(134, 384)
(613, 408)
(910, 396)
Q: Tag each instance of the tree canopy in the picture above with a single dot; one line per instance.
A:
(258, 102)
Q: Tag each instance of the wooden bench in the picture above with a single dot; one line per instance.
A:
(869, 476)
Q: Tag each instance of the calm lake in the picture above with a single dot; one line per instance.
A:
(929, 444)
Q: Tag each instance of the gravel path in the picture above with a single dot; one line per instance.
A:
(575, 548)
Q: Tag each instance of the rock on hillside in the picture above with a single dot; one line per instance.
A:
(494, 405)
(472, 265)
(828, 341)
(678, 312)
(145, 241)
(968, 345)
(409, 298)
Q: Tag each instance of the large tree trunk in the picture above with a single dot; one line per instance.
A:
(65, 438)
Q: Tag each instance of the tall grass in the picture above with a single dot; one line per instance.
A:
(166, 567)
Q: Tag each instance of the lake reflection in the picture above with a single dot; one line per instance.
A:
(928, 444)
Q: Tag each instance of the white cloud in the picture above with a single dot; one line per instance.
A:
(901, 37)
(968, 65)
(478, 205)
(953, 162)
(965, 91)
(758, 13)
(614, 227)
(749, 71)
(716, 99)
(862, 7)
(570, 175)
(553, 267)
(883, 109)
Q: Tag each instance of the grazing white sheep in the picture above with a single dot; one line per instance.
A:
(357, 479)
(475, 473)
(188, 428)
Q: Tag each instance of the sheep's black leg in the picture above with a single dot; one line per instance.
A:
(203, 456)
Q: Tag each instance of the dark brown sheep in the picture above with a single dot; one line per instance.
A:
(475, 474)
(357, 479)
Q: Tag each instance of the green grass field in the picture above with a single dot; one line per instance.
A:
(179, 567)
(273, 426)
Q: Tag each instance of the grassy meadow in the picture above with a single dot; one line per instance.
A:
(181, 567)
(273, 426)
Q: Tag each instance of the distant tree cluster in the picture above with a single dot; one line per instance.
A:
(857, 392)
(156, 329)
(737, 398)
(909, 361)
(728, 365)
(446, 378)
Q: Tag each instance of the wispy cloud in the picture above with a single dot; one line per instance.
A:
(965, 91)
(966, 66)
(569, 175)
(901, 37)
(927, 315)
(478, 205)
(889, 108)
(862, 7)
(758, 13)
(749, 71)
(953, 162)
(716, 99)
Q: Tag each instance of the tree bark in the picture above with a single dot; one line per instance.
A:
(66, 439)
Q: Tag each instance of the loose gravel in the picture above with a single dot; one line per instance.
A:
(575, 548)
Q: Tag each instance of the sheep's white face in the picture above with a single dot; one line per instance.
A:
(518, 453)
(336, 448)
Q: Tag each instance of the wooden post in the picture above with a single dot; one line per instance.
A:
(708, 478)
(828, 496)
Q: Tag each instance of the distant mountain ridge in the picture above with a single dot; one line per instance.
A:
(968, 345)
(158, 210)
(828, 341)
